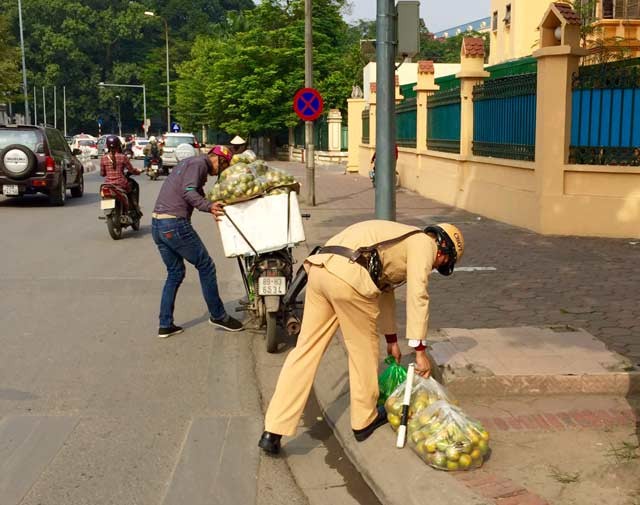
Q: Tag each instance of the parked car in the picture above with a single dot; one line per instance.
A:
(138, 147)
(173, 140)
(87, 144)
(35, 159)
(69, 139)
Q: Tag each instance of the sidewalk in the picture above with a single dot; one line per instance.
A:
(549, 446)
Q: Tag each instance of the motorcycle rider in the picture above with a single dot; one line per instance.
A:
(153, 150)
(113, 165)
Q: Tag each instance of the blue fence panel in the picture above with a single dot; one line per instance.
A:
(504, 117)
(605, 118)
(443, 121)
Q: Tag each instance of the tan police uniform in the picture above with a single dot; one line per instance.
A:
(341, 294)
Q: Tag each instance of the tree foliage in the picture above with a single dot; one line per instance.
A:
(79, 43)
(243, 79)
(9, 62)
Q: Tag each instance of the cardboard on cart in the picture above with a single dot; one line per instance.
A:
(269, 223)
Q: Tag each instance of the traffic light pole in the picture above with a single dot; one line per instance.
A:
(308, 83)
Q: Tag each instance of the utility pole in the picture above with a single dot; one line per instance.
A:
(385, 111)
(308, 83)
(55, 107)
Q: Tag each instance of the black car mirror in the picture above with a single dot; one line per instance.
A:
(76, 152)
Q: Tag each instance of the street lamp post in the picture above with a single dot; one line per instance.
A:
(144, 98)
(119, 117)
(27, 116)
(166, 40)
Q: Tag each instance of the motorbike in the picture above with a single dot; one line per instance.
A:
(119, 213)
(154, 168)
(271, 294)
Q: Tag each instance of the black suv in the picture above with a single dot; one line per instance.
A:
(35, 159)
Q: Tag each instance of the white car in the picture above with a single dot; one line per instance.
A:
(173, 140)
(87, 144)
(138, 148)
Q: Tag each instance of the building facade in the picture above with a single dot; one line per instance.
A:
(514, 27)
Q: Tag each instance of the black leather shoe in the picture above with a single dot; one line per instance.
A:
(270, 442)
(364, 433)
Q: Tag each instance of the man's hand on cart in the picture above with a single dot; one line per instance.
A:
(217, 209)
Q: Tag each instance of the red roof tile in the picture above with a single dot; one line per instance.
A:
(567, 12)
(473, 46)
(425, 67)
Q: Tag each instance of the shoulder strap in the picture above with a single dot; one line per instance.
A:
(390, 241)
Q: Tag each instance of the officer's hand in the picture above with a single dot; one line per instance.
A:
(423, 366)
(393, 349)
(217, 209)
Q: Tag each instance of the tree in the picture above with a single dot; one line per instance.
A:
(243, 80)
(9, 63)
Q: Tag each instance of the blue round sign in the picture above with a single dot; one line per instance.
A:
(308, 104)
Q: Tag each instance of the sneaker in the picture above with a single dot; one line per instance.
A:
(227, 323)
(169, 331)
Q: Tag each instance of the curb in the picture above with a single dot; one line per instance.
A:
(397, 477)
(617, 383)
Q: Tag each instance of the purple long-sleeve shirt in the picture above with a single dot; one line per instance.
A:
(183, 190)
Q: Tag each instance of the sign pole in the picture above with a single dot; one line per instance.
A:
(308, 82)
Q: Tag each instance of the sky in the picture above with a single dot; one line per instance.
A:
(437, 14)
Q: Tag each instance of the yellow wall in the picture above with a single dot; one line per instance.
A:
(518, 39)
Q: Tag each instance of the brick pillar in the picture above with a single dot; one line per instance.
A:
(558, 59)
(398, 97)
(355, 107)
(334, 121)
(424, 87)
(471, 73)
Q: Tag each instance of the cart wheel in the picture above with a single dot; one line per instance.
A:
(272, 331)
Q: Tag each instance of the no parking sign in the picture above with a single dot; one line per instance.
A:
(308, 104)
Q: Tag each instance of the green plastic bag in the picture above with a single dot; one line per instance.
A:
(390, 379)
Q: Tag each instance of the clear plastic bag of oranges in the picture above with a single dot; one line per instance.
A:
(423, 393)
(448, 439)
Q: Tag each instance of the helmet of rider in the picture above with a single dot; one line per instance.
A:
(450, 242)
(152, 139)
(113, 143)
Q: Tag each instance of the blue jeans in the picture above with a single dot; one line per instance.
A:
(178, 241)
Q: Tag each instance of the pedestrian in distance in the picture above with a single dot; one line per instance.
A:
(352, 288)
(177, 240)
(238, 144)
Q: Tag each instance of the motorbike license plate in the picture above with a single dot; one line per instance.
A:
(272, 286)
(154, 167)
(107, 204)
(10, 190)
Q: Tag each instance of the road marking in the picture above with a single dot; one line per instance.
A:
(475, 269)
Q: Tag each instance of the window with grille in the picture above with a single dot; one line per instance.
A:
(626, 9)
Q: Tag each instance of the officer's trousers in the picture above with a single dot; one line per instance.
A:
(330, 303)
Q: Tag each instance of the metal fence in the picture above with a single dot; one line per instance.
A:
(504, 117)
(605, 118)
(365, 126)
(443, 121)
(406, 119)
(320, 134)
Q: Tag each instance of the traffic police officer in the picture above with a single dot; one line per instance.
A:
(341, 292)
